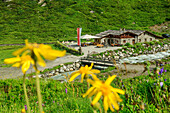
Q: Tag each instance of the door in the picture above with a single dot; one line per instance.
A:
(133, 41)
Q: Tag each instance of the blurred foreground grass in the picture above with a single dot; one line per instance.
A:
(143, 94)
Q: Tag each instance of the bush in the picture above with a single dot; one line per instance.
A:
(152, 43)
(116, 51)
(127, 44)
(69, 50)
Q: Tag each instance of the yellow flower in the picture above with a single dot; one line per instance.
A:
(24, 61)
(104, 88)
(23, 111)
(84, 71)
(40, 50)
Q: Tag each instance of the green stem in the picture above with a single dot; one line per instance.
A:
(25, 93)
(38, 90)
(88, 86)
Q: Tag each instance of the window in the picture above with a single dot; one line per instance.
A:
(139, 40)
(124, 41)
(145, 39)
(150, 39)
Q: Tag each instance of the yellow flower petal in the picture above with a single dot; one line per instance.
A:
(41, 62)
(94, 76)
(117, 90)
(86, 66)
(97, 97)
(88, 91)
(95, 71)
(12, 60)
(42, 46)
(90, 81)
(110, 79)
(25, 66)
(92, 93)
(111, 107)
(18, 52)
(96, 84)
(117, 97)
(74, 76)
(82, 77)
(51, 54)
(16, 65)
(75, 72)
(116, 106)
(105, 103)
(91, 66)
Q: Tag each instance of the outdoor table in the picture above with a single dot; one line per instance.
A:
(99, 45)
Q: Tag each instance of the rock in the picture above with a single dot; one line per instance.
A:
(77, 65)
(49, 75)
(61, 64)
(61, 70)
(71, 65)
(144, 45)
(52, 72)
(116, 57)
(43, 76)
(130, 53)
(135, 54)
(56, 73)
(71, 69)
(35, 76)
(57, 70)
(67, 69)
(64, 67)
(159, 46)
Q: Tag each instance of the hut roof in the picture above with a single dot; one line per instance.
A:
(118, 32)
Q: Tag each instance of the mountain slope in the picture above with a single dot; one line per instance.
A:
(59, 19)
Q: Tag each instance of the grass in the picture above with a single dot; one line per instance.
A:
(143, 94)
(58, 20)
(6, 52)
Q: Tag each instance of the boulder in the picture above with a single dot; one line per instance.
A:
(135, 54)
(49, 75)
(64, 67)
(61, 70)
(56, 73)
(57, 70)
(130, 53)
(77, 65)
(158, 46)
(116, 57)
(71, 69)
(67, 69)
(71, 65)
(52, 72)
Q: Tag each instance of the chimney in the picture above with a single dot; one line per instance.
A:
(124, 30)
(120, 31)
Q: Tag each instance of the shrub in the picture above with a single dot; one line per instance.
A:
(116, 51)
(152, 43)
(127, 44)
(69, 50)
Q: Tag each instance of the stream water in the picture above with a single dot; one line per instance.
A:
(148, 57)
(131, 60)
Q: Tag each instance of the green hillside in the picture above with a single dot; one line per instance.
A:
(26, 19)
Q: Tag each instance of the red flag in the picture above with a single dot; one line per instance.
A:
(79, 36)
